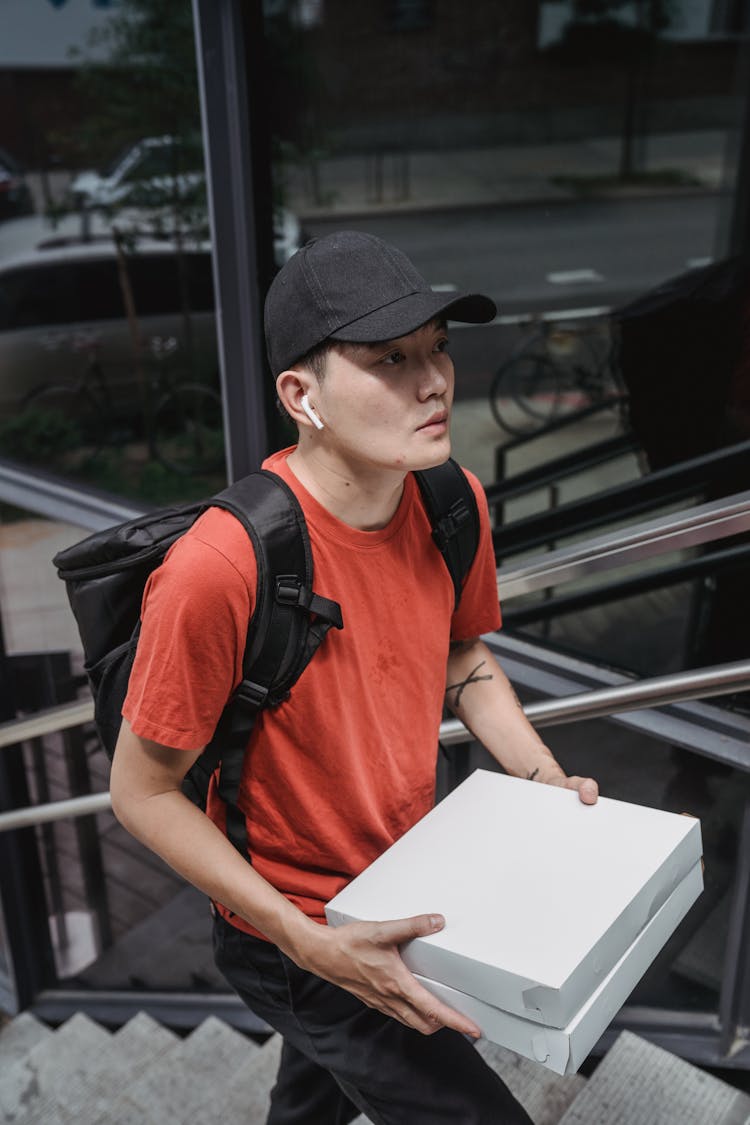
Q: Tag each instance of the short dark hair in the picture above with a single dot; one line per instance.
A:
(316, 358)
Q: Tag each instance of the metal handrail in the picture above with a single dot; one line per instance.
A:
(721, 679)
(689, 527)
(659, 489)
(37, 491)
(699, 683)
(48, 721)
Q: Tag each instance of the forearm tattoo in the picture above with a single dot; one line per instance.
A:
(461, 687)
(532, 775)
(519, 704)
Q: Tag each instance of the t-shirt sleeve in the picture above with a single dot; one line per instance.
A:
(195, 613)
(479, 609)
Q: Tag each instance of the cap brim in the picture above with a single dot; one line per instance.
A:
(408, 313)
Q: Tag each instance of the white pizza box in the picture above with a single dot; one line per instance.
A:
(564, 1049)
(541, 894)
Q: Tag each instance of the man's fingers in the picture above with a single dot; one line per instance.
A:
(429, 1014)
(399, 930)
(587, 788)
(416, 1006)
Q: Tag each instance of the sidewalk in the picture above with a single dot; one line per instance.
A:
(415, 181)
(389, 181)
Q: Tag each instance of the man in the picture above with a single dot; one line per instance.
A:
(358, 346)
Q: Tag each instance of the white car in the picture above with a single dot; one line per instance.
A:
(144, 168)
(144, 174)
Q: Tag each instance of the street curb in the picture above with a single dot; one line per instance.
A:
(393, 208)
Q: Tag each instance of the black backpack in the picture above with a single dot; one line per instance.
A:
(105, 575)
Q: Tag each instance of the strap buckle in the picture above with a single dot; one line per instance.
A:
(250, 694)
(291, 591)
(450, 524)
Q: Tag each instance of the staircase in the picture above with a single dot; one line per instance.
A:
(143, 1074)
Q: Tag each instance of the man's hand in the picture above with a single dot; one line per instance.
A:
(587, 788)
(364, 958)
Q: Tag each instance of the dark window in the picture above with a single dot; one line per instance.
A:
(155, 284)
(201, 282)
(410, 15)
(97, 293)
(35, 296)
(156, 287)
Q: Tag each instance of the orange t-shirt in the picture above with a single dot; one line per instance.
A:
(340, 770)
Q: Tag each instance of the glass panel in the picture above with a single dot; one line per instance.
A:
(118, 917)
(109, 376)
(586, 165)
(687, 974)
(569, 159)
(107, 315)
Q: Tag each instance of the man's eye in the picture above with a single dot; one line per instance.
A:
(393, 357)
(442, 345)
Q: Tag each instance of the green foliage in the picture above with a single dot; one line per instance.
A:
(148, 84)
(39, 435)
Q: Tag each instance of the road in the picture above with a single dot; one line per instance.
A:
(614, 249)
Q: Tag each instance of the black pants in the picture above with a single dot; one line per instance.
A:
(341, 1058)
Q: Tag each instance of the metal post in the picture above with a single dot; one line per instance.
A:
(734, 1003)
(240, 215)
(23, 910)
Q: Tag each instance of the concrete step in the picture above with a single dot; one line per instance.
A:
(248, 1095)
(637, 1083)
(58, 1061)
(184, 1083)
(19, 1036)
(544, 1095)
(133, 1049)
(145, 1075)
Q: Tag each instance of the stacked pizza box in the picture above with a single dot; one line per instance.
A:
(554, 909)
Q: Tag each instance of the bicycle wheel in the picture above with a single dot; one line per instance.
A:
(526, 394)
(60, 425)
(188, 432)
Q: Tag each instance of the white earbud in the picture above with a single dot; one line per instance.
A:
(305, 404)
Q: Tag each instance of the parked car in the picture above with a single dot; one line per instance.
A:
(148, 169)
(15, 194)
(61, 303)
(146, 172)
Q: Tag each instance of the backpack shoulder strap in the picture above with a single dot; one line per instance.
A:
(452, 509)
(288, 624)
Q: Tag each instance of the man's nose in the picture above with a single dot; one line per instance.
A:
(433, 380)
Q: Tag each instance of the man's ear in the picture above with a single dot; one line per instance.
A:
(291, 387)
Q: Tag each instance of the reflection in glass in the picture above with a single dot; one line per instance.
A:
(107, 318)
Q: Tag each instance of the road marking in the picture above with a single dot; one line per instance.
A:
(447, 288)
(530, 318)
(573, 277)
(698, 263)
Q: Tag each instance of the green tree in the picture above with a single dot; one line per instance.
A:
(137, 78)
(144, 76)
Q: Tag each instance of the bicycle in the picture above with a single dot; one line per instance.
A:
(564, 367)
(180, 423)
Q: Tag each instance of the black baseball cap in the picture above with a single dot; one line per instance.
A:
(354, 287)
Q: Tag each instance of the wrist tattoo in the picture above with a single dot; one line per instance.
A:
(472, 678)
(532, 775)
